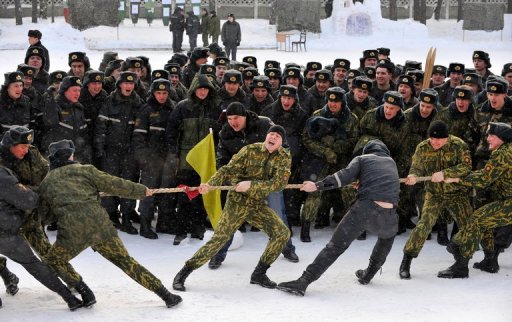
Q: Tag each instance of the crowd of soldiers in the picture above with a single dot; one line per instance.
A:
(139, 123)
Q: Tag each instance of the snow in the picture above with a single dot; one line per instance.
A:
(225, 294)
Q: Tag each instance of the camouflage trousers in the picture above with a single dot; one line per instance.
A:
(480, 227)
(114, 251)
(35, 236)
(457, 205)
(237, 210)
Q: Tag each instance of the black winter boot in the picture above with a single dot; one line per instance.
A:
(298, 286)
(405, 267)
(362, 236)
(126, 225)
(364, 276)
(114, 218)
(489, 263)
(259, 276)
(179, 280)
(215, 262)
(145, 228)
(73, 302)
(163, 223)
(169, 298)
(0, 302)
(10, 280)
(88, 298)
(442, 234)
(291, 256)
(460, 268)
(304, 232)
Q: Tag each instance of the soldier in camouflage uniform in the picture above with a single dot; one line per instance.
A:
(440, 156)
(71, 192)
(408, 90)
(333, 149)
(496, 175)
(30, 168)
(257, 170)
(339, 70)
(358, 100)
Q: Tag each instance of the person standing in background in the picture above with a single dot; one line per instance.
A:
(231, 36)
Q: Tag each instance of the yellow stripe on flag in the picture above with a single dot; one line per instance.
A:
(202, 159)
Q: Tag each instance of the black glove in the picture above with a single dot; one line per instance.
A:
(238, 43)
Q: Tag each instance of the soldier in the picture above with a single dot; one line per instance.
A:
(192, 28)
(177, 27)
(35, 58)
(383, 53)
(112, 73)
(333, 149)
(66, 192)
(231, 36)
(113, 144)
(145, 73)
(221, 66)
(64, 117)
(309, 73)
(136, 65)
(440, 156)
(198, 57)
(383, 80)
(150, 151)
(231, 90)
(374, 210)
(323, 81)
(214, 26)
(15, 108)
(369, 59)
(15, 200)
(275, 78)
(30, 168)
(28, 89)
(257, 170)
(108, 56)
(34, 39)
(497, 175)
(79, 64)
(454, 72)
(408, 91)
(251, 60)
(438, 76)
(351, 74)
(247, 75)
(52, 91)
(506, 73)
(287, 112)
(209, 71)
(188, 124)
(175, 78)
(292, 76)
(482, 63)
(358, 100)
(339, 71)
(215, 51)
(92, 97)
(205, 26)
(260, 95)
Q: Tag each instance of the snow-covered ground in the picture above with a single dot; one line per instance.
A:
(225, 294)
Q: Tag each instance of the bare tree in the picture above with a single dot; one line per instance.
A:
(34, 11)
(17, 12)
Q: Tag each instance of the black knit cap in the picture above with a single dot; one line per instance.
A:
(501, 130)
(61, 150)
(438, 130)
(278, 129)
(35, 33)
(17, 135)
(236, 108)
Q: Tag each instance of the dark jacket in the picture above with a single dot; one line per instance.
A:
(13, 112)
(231, 35)
(376, 171)
(92, 107)
(177, 21)
(230, 141)
(192, 24)
(15, 199)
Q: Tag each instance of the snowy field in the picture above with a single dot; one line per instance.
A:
(225, 294)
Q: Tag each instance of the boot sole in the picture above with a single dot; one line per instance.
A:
(265, 286)
(290, 290)
(451, 276)
(89, 304)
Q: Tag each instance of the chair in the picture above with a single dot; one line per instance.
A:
(301, 42)
(280, 41)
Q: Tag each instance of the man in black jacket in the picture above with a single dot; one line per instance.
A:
(231, 36)
(374, 211)
(177, 26)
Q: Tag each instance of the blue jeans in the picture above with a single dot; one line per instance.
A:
(275, 202)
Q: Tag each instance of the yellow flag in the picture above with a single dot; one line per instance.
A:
(202, 159)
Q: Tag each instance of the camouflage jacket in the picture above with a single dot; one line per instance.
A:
(462, 125)
(445, 92)
(72, 193)
(360, 109)
(453, 159)
(268, 172)
(342, 141)
(487, 114)
(30, 171)
(496, 174)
